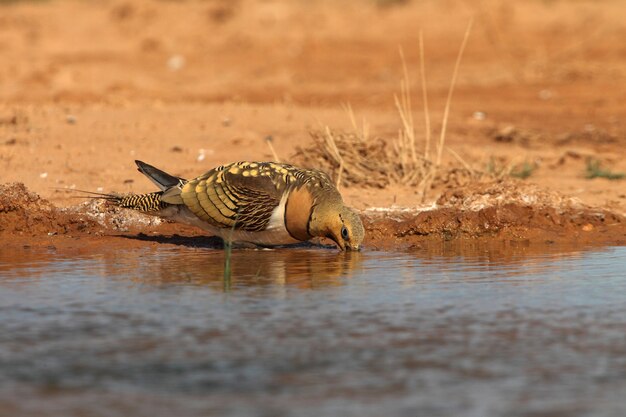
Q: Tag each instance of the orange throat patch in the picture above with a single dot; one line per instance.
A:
(298, 212)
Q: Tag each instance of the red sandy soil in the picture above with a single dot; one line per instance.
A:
(86, 88)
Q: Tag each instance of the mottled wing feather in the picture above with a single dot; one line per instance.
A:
(244, 195)
(235, 195)
(255, 208)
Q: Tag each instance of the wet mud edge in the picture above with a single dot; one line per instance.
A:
(499, 210)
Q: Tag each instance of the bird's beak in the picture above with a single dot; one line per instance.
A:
(340, 243)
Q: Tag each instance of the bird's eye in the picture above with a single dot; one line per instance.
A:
(344, 233)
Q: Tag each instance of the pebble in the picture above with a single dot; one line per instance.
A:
(479, 115)
(546, 94)
(175, 62)
(202, 153)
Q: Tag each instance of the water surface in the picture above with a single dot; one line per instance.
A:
(445, 331)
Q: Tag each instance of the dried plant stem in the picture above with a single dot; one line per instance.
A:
(424, 97)
(268, 140)
(404, 109)
(363, 132)
(348, 108)
(423, 185)
(330, 142)
(446, 112)
(461, 160)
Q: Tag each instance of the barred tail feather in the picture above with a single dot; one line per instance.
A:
(149, 202)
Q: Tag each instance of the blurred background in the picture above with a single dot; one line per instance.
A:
(88, 86)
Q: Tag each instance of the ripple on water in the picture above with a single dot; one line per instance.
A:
(483, 331)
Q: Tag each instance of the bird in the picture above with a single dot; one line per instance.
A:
(263, 203)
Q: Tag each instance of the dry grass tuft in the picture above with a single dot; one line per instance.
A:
(350, 158)
(356, 158)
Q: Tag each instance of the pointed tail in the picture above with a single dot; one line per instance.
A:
(149, 202)
(161, 179)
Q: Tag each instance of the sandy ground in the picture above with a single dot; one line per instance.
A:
(87, 87)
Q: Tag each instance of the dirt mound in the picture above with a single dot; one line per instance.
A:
(506, 191)
(24, 212)
(504, 209)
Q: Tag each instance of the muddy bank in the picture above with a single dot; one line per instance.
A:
(506, 210)
(536, 95)
(501, 210)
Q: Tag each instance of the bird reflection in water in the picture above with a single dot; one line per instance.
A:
(301, 268)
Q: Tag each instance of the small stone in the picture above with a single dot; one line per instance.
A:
(176, 149)
(202, 153)
(71, 119)
(506, 134)
(175, 62)
(43, 175)
(573, 154)
(479, 115)
(588, 227)
(546, 94)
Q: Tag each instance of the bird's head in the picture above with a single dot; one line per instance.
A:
(340, 223)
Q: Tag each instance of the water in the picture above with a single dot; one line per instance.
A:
(442, 331)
